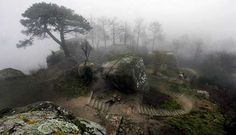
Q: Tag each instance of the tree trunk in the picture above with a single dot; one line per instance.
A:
(153, 43)
(63, 44)
(113, 35)
(138, 39)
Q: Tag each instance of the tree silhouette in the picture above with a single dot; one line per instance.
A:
(46, 19)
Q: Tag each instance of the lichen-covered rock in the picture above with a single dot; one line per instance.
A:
(127, 74)
(9, 73)
(46, 118)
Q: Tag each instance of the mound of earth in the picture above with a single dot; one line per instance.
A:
(9, 73)
(45, 118)
(127, 74)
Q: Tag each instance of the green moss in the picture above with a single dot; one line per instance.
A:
(185, 89)
(86, 73)
(71, 87)
(198, 123)
(170, 104)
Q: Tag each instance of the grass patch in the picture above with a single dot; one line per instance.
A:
(198, 123)
(71, 86)
(170, 104)
(159, 100)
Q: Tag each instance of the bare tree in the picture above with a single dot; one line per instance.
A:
(97, 33)
(103, 22)
(155, 29)
(125, 34)
(86, 48)
(138, 29)
(113, 24)
(92, 34)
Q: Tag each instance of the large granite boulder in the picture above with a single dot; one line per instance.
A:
(127, 74)
(9, 73)
(45, 118)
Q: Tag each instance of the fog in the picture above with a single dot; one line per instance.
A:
(211, 20)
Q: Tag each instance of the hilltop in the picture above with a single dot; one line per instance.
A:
(126, 93)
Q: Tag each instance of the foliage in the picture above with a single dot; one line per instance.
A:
(71, 86)
(55, 57)
(163, 62)
(42, 19)
(181, 88)
(158, 99)
(86, 73)
(198, 123)
(170, 104)
(217, 69)
(86, 48)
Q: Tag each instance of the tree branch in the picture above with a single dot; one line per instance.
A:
(74, 30)
(52, 36)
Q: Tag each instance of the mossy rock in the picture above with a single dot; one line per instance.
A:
(127, 74)
(46, 118)
(10, 73)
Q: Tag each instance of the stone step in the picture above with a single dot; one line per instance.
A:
(96, 104)
(153, 111)
(159, 112)
(139, 108)
(92, 102)
(107, 107)
(100, 105)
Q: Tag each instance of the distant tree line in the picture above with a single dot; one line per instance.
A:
(111, 31)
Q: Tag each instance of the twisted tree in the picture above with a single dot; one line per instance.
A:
(44, 20)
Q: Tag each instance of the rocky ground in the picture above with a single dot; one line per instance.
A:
(45, 118)
(118, 109)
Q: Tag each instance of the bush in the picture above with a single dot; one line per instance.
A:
(198, 123)
(86, 72)
(70, 87)
(163, 62)
(159, 100)
(55, 57)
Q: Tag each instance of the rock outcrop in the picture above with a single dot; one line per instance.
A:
(9, 73)
(127, 74)
(45, 118)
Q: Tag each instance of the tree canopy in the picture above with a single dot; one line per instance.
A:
(44, 20)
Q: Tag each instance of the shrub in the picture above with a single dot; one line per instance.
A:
(86, 72)
(198, 123)
(159, 100)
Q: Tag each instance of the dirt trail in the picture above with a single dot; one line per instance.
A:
(89, 108)
(186, 102)
(80, 108)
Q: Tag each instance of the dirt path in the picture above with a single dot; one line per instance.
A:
(185, 101)
(80, 108)
(89, 107)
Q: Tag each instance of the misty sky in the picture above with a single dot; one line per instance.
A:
(211, 19)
